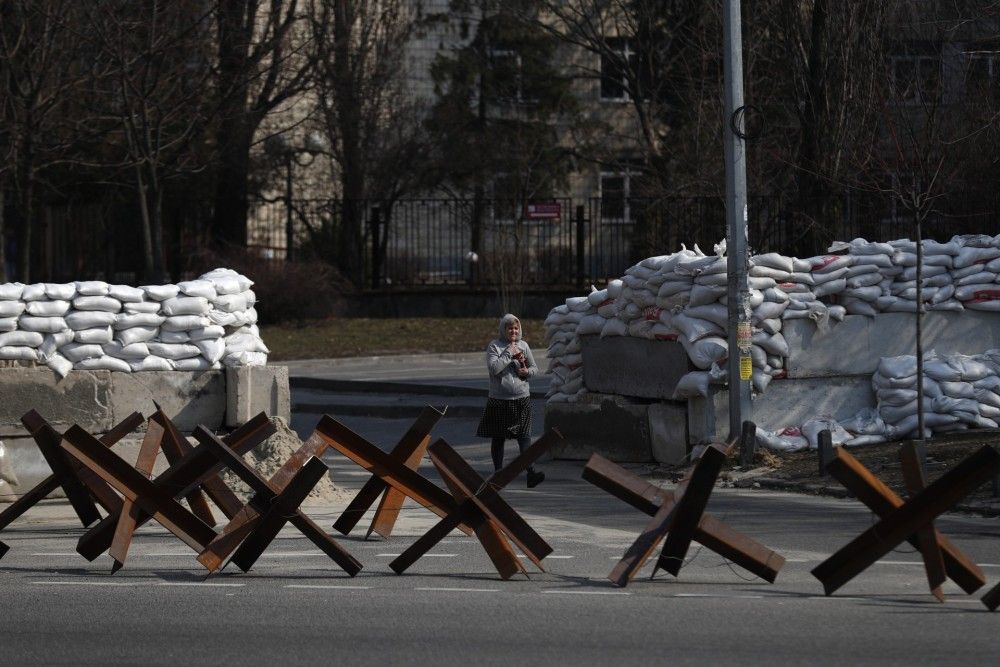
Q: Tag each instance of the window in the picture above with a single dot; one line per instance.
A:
(510, 82)
(615, 193)
(982, 73)
(916, 78)
(615, 68)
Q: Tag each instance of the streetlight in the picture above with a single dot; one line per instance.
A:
(291, 154)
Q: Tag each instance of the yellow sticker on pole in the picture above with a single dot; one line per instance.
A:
(746, 368)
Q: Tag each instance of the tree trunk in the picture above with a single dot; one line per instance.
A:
(147, 236)
(229, 227)
(3, 242)
(156, 231)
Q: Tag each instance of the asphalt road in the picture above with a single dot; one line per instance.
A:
(451, 608)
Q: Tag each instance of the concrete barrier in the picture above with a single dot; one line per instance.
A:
(96, 400)
(633, 366)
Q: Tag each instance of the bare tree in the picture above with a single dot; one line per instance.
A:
(261, 66)
(373, 126)
(39, 70)
(152, 66)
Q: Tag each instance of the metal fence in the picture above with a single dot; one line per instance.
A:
(563, 243)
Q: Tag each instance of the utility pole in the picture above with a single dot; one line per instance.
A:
(739, 366)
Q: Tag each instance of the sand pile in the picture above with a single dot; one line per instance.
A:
(268, 458)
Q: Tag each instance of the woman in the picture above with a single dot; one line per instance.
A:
(508, 408)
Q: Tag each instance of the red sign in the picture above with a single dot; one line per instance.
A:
(547, 211)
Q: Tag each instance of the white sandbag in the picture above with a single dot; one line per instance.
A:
(60, 364)
(760, 379)
(11, 308)
(869, 294)
(173, 351)
(859, 440)
(712, 280)
(978, 291)
(837, 313)
(186, 322)
(706, 351)
(769, 310)
(641, 328)
(608, 308)
(908, 425)
(768, 272)
(703, 294)
(244, 343)
(899, 367)
(968, 256)
(224, 284)
(92, 288)
(136, 335)
(713, 312)
(774, 295)
(867, 280)
(837, 274)
(789, 439)
(773, 260)
(104, 303)
(96, 336)
(132, 352)
(53, 342)
(187, 305)
(958, 389)
(160, 292)
(213, 349)
(672, 287)
(831, 287)
(141, 307)
(574, 303)
(591, 324)
(47, 308)
(858, 307)
(236, 360)
(758, 357)
(615, 288)
(860, 270)
(770, 326)
(775, 363)
(988, 305)
(11, 291)
(771, 343)
(910, 273)
(22, 338)
(672, 302)
(980, 278)
(866, 422)
(90, 319)
(614, 327)
(174, 337)
(8, 324)
(691, 385)
(77, 352)
(18, 353)
(663, 331)
(202, 288)
(41, 324)
(812, 428)
(828, 263)
(60, 291)
(126, 293)
(954, 306)
(694, 328)
(214, 331)
(249, 316)
(33, 292)
(103, 364)
(150, 363)
(597, 297)
(124, 321)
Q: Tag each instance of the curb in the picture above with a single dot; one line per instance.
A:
(770, 483)
(382, 387)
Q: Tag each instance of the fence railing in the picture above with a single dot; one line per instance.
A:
(564, 242)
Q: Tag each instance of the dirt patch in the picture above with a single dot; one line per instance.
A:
(268, 458)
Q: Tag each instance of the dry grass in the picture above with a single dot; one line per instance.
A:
(362, 337)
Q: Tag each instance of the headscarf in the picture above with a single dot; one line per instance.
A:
(504, 321)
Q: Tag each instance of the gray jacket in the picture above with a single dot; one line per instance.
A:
(504, 381)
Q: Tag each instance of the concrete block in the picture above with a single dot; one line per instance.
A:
(633, 366)
(854, 346)
(786, 402)
(668, 437)
(24, 458)
(611, 426)
(82, 397)
(189, 398)
(253, 389)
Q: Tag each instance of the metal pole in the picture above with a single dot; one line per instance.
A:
(289, 210)
(740, 369)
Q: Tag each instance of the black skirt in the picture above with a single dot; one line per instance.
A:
(505, 418)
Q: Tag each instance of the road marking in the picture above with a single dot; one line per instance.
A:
(199, 583)
(329, 586)
(88, 583)
(549, 556)
(718, 595)
(458, 590)
(425, 555)
(587, 592)
(829, 597)
(56, 554)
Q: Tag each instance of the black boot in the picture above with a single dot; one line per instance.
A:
(535, 478)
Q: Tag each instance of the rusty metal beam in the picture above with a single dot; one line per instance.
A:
(128, 513)
(179, 479)
(133, 486)
(930, 549)
(937, 498)
(882, 500)
(409, 450)
(992, 598)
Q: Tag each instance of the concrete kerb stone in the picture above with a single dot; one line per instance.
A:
(253, 389)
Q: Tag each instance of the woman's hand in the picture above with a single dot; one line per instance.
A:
(523, 373)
